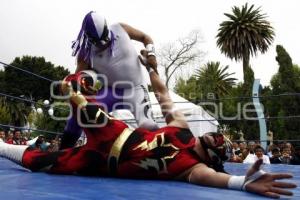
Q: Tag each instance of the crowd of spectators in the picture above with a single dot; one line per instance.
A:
(17, 137)
(279, 153)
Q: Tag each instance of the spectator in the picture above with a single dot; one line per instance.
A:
(235, 158)
(259, 154)
(251, 146)
(242, 146)
(296, 157)
(270, 149)
(17, 139)
(281, 145)
(40, 143)
(290, 146)
(10, 137)
(276, 156)
(244, 154)
(53, 146)
(235, 148)
(2, 136)
(286, 154)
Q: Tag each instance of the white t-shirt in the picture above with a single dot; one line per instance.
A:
(251, 158)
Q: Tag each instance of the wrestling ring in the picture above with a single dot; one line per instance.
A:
(18, 183)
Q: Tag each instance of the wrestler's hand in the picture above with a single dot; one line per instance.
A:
(151, 60)
(65, 86)
(267, 184)
(68, 87)
(148, 61)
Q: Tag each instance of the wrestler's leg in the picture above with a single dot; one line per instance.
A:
(80, 160)
(12, 152)
(140, 106)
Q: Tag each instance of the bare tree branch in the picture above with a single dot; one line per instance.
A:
(181, 54)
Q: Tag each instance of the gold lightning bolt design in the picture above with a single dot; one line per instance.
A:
(148, 146)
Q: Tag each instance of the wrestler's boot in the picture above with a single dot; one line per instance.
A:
(13, 152)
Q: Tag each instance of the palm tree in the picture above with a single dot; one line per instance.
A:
(213, 78)
(18, 111)
(246, 32)
(4, 113)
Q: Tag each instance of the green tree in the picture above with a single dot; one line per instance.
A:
(286, 70)
(287, 80)
(296, 69)
(214, 79)
(211, 78)
(245, 33)
(188, 89)
(28, 85)
(43, 121)
(4, 113)
(17, 111)
(230, 109)
(241, 36)
(2, 83)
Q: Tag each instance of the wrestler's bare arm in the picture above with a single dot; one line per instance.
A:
(173, 118)
(136, 34)
(267, 185)
(204, 175)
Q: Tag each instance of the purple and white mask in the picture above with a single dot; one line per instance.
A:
(94, 31)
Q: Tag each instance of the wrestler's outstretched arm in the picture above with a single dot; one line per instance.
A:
(173, 117)
(255, 181)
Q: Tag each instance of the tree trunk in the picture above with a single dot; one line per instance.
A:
(167, 77)
(245, 65)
